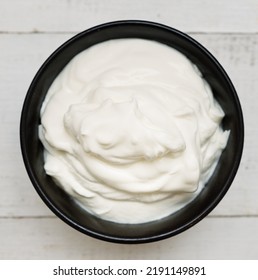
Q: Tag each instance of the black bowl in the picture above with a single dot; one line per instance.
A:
(62, 204)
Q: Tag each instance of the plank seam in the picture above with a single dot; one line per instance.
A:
(3, 32)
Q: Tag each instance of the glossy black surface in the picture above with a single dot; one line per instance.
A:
(61, 204)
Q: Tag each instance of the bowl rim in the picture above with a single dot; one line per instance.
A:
(48, 201)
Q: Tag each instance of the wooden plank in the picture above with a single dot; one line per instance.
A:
(212, 238)
(77, 15)
(22, 55)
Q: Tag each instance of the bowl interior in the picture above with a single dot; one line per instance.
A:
(62, 205)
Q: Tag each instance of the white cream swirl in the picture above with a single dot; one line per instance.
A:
(131, 130)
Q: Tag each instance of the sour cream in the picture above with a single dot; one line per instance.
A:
(131, 130)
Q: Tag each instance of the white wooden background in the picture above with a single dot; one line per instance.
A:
(30, 30)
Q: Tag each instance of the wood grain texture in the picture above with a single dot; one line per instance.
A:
(50, 238)
(77, 15)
